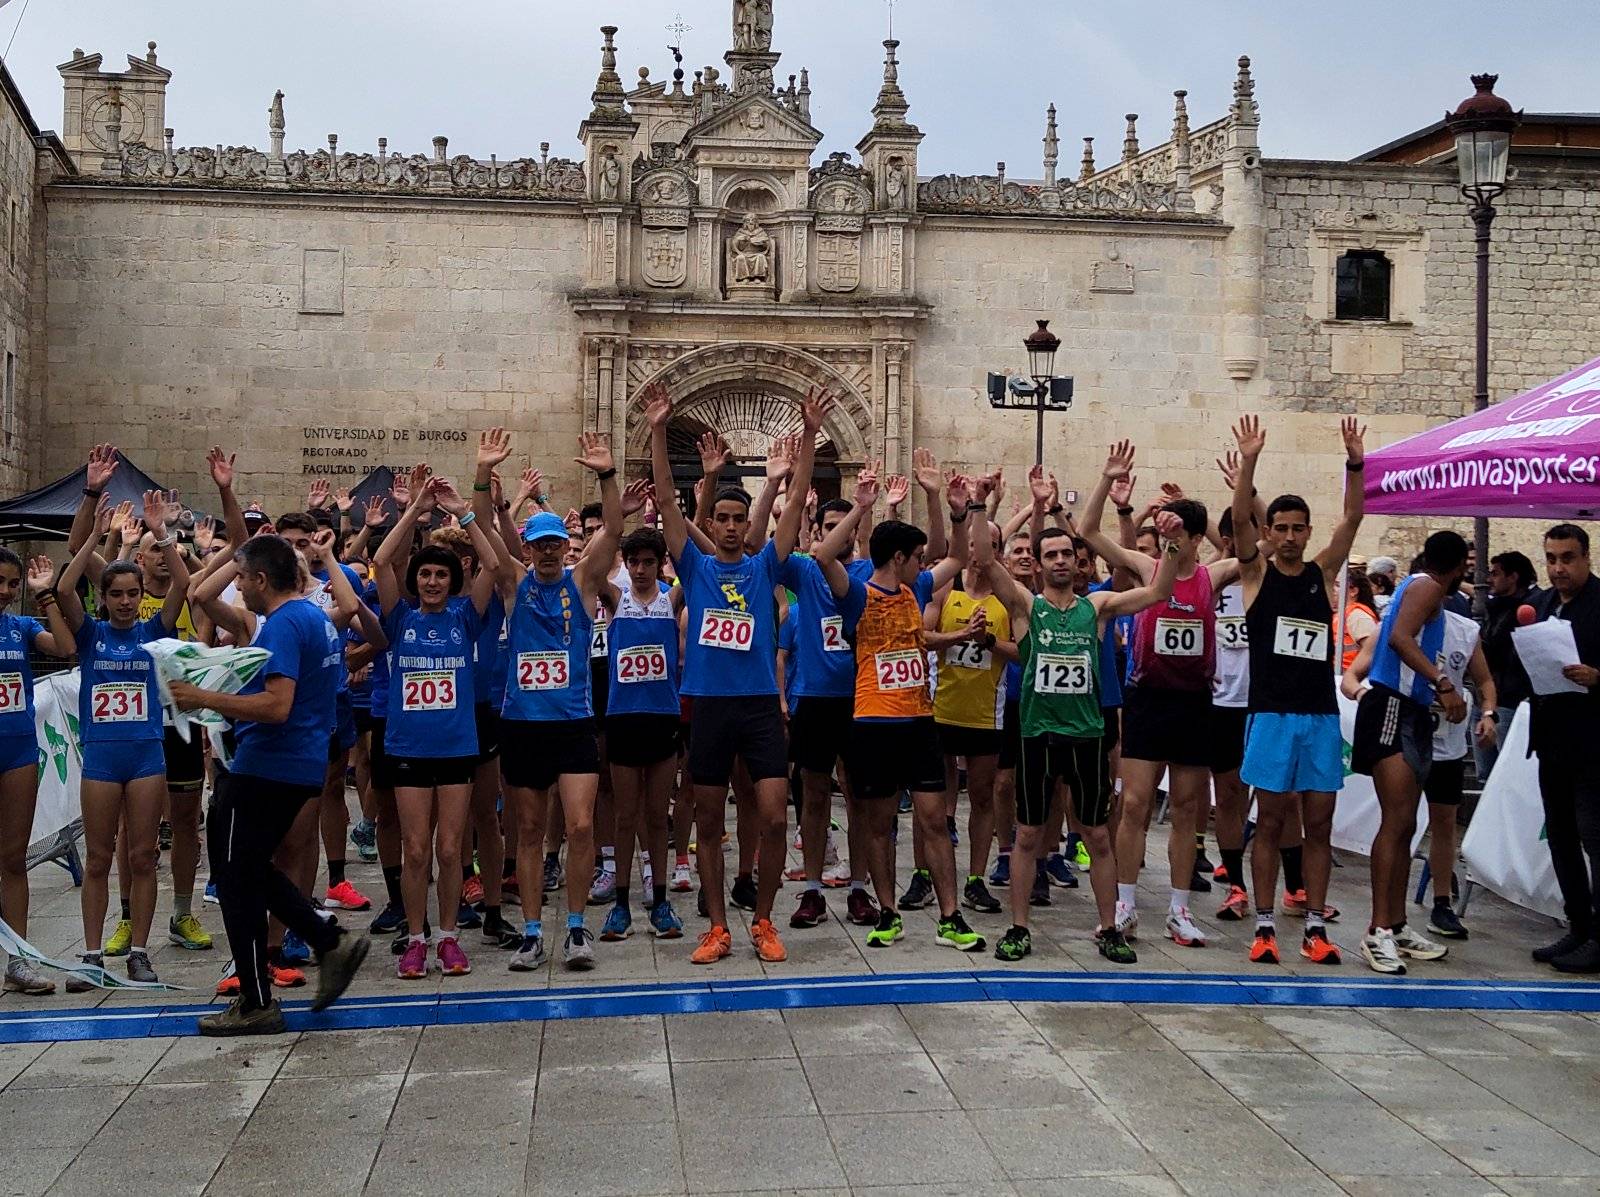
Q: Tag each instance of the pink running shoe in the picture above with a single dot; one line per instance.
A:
(413, 965)
(452, 960)
(345, 896)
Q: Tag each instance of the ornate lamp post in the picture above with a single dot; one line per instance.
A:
(1047, 392)
(1482, 127)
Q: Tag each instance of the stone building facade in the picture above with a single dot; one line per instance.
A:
(326, 312)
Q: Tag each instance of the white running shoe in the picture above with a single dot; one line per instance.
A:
(836, 875)
(682, 882)
(1408, 943)
(1127, 920)
(1182, 931)
(1378, 950)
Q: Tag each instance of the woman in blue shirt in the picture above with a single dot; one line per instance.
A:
(430, 734)
(19, 748)
(119, 713)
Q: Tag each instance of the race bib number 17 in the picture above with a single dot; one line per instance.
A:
(1302, 638)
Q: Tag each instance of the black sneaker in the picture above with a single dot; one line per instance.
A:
(1567, 943)
(1202, 862)
(391, 920)
(700, 903)
(397, 946)
(1446, 923)
(468, 919)
(1584, 959)
(338, 968)
(1200, 883)
(977, 897)
(1040, 894)
(1014, 945)
(743, 894)
(499, 933)
(1114, 946)
(919, 893)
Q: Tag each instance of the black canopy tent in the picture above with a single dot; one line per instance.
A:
(375, 485)
(46, 513)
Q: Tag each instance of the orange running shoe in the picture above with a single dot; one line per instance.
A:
(715, 944)
(472, 890)
(768, 946)
(1264, 948)
(345, 896)
(1294, 903)
(228, 986)
(1237, 906)
(286, 978)
(1319, 949)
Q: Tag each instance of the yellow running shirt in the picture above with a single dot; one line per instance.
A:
(150, 605)
(971, 689)
(891, 662)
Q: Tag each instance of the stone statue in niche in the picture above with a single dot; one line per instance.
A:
(895, 185)
(610, 176)
(752, 253)
(752, 25)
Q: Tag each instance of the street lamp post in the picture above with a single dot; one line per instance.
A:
(1482, 127)
(1047, 392)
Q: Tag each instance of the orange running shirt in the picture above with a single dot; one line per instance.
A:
(891, 660)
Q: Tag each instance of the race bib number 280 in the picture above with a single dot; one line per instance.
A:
(735, 630)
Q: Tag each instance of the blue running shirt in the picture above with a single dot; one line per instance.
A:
(548, 651)
(431, 691)
(307, 649)
(733, 623)
(17, 634)
(643, 650)
(1387, 667)
(117, 696)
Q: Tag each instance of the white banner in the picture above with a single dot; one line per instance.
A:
(55, 722)
(1356, 815)
(1505, 847)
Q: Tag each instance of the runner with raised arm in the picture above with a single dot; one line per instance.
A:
(119, 712)
(730, 671)
(895, 744)
(1064, 737)
(1167, 705)
(1294, 751)
(548, 736)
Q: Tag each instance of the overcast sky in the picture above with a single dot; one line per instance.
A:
(501, 76)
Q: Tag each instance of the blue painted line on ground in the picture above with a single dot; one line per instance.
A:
(41, 1024)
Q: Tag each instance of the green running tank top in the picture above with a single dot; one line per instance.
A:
(1061, 671)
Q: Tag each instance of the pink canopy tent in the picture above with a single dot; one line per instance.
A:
(1533, 456)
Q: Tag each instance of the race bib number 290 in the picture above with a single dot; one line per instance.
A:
(906, 669)
(734, 630)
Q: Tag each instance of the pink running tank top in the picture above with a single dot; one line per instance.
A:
(1175, 642)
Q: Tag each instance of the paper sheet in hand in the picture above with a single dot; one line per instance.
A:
(1545, 648)
(224, 670)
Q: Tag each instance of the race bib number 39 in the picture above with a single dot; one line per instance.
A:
(13, 697)
(727, 629)
(906, 669)
(1302, 638)
(542, 671)
(428, 691)
(645, 663)
(1231, 632)
(1180, 637)
(833, 640)
(118, 702)
(1063, 673)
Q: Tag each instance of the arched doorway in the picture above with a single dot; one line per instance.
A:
(750, 393)
(748, 419)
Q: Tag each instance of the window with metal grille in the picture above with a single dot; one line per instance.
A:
(1364, 277)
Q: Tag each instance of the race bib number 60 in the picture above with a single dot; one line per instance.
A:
(542, 671)
(1303, 638)
(435, 691)
(645, 663)
(727, 629)
(1180, 637)
(13, 697)
(906, 669)
(118, 702)
(1062, 673)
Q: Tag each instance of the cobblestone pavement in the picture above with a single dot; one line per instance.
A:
(892, 1096)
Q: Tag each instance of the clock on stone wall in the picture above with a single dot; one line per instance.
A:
(97, 114)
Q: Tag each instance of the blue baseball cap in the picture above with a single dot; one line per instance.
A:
(544, 525)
